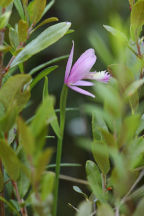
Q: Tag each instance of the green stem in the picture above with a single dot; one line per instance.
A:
(63, 99)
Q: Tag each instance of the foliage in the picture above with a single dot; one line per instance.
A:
(27, 186)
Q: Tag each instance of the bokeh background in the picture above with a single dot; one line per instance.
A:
(86, 16)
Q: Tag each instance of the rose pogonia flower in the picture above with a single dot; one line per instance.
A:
(75, 75)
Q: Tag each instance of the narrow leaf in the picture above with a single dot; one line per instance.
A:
(45, 88)
(42, 74)
(22, 30)
(19, 8)
(94, 179)
(46, 21)
(26, 138)
(105, 210)
(35, 10)
(53, 61)
(84, 209)
(132, 88)
(13, 91)
(4, 18)
(10, 160)
(45, 39)
(49, 5)
(137, 19)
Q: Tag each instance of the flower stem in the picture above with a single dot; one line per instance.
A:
(63, 99)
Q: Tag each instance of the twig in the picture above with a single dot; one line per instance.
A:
(72, 179)
(20, 201)
(117, 211)
(132, 187)
(125, 198)
(140, 56)
(19, 46)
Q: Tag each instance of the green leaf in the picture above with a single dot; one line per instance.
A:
(22, 30)
(13, 37)
(133, 87)
(116, 33)
(101, 157)
(15, 91)
(19, 8)
(111, 99)
(26, 138)
(64, 165)
(128, 130)
(46, 21)
(140, 208)
(105, 210)
(137, 19)
(44, 116)
(101, 47)
(4, 48)
(10, 160)
(12, 208)
(41, 164)
(49, 5)
(45, 39)
(35, 10)
(5, 3)
(47, 185)
(42, 74)
(23, 184)
(53, 61)
(108, 138)
(94, 180)
(45, 88)
(78, 190)
(4, 18)
(25, 2)
(84, 209)
(8, 120)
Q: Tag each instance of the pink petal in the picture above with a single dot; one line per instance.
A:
(82, 83)
(82, 66)
(81, 91)
(69, 63)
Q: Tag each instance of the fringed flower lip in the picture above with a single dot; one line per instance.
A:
(77, 74)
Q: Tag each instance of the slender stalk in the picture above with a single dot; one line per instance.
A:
(72, 179)
(117, 211)
(20, 201)
(140, 56)
(63, 99)
(125, 198)
(103, 178)
(132, 187)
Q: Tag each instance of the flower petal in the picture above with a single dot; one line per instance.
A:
(69, 63)
(82, 83)
(81, 91)
(82, 66)
(102, 76)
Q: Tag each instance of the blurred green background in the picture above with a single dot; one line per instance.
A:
(86, 16)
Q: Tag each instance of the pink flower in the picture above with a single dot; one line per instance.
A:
(75, 75)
